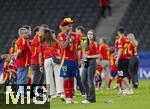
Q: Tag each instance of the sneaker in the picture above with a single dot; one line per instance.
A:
(107, 88)
(74, 102)
(116, 86)
(68, 101)
(124, 92)
(62, 97)
(97, 88)
(120, 91)
(53, 96)
(85, 102)
(83, 95)
(130, 91)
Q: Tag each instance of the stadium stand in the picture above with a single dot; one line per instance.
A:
(16, 13)
(137, 20)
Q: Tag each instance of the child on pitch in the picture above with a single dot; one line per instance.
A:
(113, 69)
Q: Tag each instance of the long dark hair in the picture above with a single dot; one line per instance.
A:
(48, 39)
(93, 31)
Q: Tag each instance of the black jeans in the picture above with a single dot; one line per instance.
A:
(133, 69)
(38, 77)
(79, 83)
(88, 79)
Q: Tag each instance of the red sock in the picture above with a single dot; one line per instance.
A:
(66, 88)
(110, 80)
(71, 87)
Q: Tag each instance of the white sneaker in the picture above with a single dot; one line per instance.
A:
(130, 91)
(85, 102)
(124, 92)
(107, 88)
(62, 97)
(120, 91)
(53, 96)
(68, 101)
(74, 102)
(83, 95)
(97, 88)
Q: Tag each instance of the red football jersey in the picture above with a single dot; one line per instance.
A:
(113, 67)
(104, 51)
(23, 59)
(48, 51)
(35, 50)
(124, 43)
(71, 50)
(93, 49)
(78, 39)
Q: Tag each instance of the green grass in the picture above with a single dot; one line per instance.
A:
(140, 100)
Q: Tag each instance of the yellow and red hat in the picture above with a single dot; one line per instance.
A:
(66, 22)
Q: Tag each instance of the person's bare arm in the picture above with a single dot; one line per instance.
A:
(118, 55)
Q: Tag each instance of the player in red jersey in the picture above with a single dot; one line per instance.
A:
(134, 61)
(116, 50)
(122, 61)
(104, 60)
(69, 57)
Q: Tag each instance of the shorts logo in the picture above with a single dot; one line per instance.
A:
(64, 68)
(120, 73)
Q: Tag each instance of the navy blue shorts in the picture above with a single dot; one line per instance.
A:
(69, 69)
(113, 74)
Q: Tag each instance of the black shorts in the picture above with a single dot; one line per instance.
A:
(123, 66)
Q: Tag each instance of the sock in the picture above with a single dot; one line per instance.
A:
(71, 87)
(66, 88)
(109, 83)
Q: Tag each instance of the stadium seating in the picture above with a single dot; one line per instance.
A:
(15, 13)
(137, 20)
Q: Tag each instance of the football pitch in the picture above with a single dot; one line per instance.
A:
(106, 99)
